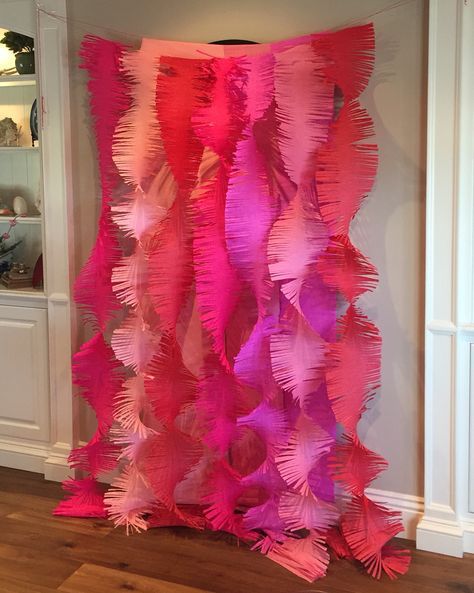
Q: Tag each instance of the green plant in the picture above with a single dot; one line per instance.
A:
(18, 43)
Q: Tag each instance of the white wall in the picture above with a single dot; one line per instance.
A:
(389, 228)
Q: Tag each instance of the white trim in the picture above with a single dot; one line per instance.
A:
(36, 457)
(57, 227)
(56, 467)
(468, 526)
(449, 315)
(27, 456)
(442, 537)
(23, 299)
(441, 327)
(410, 507)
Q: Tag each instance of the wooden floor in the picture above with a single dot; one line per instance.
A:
(42, 554)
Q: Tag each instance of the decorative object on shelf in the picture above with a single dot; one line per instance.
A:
(7, 72)
(9, 132)
(5, 210)
(6, 247)
(4, 266)
(232, 186)
(34, 122)
(19, 268)
(23, 48)
(18, 276)
(38, 273)
(20, 207)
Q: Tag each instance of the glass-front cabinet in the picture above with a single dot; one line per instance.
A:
(21, 262)
(35, 325)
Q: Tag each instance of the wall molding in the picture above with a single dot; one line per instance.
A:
(410, 506)
(57, 229)
(37, 457)
(447, 525)
(56, 467)
(440, 536)
(27, 456)
(468, 527)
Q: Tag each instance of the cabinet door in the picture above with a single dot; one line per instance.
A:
(24, 393)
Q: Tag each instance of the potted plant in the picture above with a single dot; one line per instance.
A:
(23, 48)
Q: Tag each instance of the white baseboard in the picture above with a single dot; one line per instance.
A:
(26, 456)
(449, 537)
(440, 536)
(453, 536)
(410, 507)
(468, 527)
(56, 467)
(41, 458)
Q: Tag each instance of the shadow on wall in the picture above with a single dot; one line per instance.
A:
(391, 226)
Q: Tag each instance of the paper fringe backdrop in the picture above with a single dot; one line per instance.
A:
(230, 362)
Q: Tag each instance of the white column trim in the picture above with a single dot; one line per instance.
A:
(57, 228)
(448, 307)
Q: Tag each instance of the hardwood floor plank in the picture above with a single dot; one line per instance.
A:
(21, 482)
(19, 586)
(5, 509)
(161, 554)
(421, 578)
(98, 579)
(59, 542)
(96, 527)
(164, 553)
(34, 567)
(16, 501)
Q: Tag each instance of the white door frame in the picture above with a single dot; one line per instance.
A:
(447, 525)
(58, 228)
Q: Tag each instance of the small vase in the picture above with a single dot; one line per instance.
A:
(20, 207)
(25, 62)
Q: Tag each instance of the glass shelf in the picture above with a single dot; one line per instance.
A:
(11, 149)
(18, 80)
(22, 219)
(23, 296)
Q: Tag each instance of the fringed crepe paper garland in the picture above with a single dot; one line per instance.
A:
(228, 187)
(96, 371)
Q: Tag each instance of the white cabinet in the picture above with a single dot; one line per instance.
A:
(24, 387)
(36, 407)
